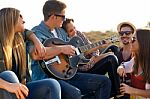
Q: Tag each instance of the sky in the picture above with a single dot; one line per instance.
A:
(89, 15)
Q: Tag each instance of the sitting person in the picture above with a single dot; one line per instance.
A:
(124, 54)
(98, 64)
(13, 68)
(125, 31)
(138, 66)
(81, 83)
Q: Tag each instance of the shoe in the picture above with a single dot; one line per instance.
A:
(119, 95)
(116, 95)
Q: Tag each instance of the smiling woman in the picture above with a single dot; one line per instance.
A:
(139, 67)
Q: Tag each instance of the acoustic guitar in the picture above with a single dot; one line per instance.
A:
(65, 66)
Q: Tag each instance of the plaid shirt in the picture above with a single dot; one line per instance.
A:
(83, 37)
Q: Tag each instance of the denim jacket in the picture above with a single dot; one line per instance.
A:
(43, 33)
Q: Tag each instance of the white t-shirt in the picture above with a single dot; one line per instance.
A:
(55, 33)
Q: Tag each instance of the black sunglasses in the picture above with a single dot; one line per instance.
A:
(121, 33)
(62, 16)
(20, 16)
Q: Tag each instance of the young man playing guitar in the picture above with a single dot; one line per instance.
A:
(98, 64)
(81, 83)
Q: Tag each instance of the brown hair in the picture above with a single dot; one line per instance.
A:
(64, 25)
(142, 57)
(12, 42)
(52, 7)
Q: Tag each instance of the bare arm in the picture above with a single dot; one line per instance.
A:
(134, 91)
(38, 49)
(3, 84)
(54, 51)
(139, 92)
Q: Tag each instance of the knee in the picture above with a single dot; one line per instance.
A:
(114, 48)
(52, 84)
(113, 59)
(7, 73)
(106, 82)
(76, 94)
(9, 76)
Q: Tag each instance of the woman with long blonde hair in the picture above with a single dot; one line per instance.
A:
(13, 65)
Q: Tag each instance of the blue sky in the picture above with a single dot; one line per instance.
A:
(96, 15)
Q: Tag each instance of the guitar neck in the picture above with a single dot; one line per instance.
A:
(90, 46)
(94, 45)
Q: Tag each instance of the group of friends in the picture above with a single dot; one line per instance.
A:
(127, 66)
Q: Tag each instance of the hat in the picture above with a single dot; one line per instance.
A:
(126, 23)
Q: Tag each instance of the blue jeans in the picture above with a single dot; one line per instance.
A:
(117, 52)
(10, 77)
(84, 83)
(42, 89)
(108, 65)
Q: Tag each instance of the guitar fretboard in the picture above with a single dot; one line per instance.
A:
(90, 46)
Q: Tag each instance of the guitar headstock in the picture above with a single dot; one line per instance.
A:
(114, 39)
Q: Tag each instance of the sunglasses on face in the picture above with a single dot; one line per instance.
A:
(62, 16)
(133, 39)
(121, 33)
(58, 15)
(21, 16)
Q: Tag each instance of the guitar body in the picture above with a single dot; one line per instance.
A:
(62, 66)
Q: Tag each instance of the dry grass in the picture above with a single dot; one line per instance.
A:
(95, 36)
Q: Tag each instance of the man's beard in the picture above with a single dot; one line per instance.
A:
(126, 43)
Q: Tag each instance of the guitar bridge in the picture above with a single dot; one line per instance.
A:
(56, 59)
